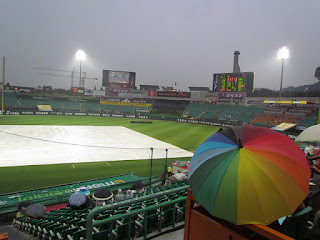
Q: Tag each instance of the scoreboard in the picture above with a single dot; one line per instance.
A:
(118, 79)
(233, 82)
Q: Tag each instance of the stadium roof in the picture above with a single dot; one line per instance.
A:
(199, 89)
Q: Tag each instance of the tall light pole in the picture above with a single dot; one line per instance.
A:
(80, 55)
(283, 53)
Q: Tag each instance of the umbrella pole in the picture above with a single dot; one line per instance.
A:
(165, 168)
(150, 175)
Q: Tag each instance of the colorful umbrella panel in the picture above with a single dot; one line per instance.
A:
(249, 174)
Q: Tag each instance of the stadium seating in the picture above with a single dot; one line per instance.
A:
(107, 108)
(55, 104)
(70, 105)
(231, 112)
(310, 120)
(274, 115)
(139, 218)
(29, 102)
(144, 110)
(9, 98)
(125, 109)
(249, 113)
(89, 106)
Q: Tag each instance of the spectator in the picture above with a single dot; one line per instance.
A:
(129, 194)
(313, 170)
(22, 209)
(119, 197)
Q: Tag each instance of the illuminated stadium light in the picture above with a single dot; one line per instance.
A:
(80, 55)
(283, 53)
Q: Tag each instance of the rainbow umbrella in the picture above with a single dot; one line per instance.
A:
(249, 175)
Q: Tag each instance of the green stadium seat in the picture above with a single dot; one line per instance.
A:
(68, 231)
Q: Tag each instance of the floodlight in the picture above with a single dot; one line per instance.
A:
(283, 53)
(80, 55)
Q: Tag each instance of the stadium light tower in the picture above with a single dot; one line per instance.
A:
(80, 55)
(283, 53)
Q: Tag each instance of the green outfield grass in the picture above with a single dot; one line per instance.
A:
(184, 135)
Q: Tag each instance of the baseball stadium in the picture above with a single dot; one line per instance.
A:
(134, 162)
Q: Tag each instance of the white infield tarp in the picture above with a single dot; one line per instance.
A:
(22, 145)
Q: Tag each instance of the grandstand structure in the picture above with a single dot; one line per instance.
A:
(149, 213)
(196, 106)
(160, 207)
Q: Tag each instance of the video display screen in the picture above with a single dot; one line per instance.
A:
(233, 82)
(121, 79)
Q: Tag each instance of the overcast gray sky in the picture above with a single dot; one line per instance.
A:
(165, 41)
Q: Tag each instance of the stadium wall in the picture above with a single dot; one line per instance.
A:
(222, 123)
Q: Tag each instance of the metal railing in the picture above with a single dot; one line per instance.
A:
(91, 222)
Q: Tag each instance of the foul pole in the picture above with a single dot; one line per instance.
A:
(3, 75)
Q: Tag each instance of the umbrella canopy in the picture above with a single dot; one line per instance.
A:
(137, 185)
(311, 134)
(102, 195)
(36, 210)
(77, 199)
(83, 191)
(249, 174)
(23, 205)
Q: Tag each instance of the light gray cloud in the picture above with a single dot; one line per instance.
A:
(163, 41)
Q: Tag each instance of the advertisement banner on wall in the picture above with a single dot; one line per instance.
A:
(238, 100)
(174, 94)
(44, 107)
(77, 90)
(212, 99)
(99, 93)
(224, 100)
(124, 95)
(231, 95)
(136, 95)
(152, 93)
(118, 90)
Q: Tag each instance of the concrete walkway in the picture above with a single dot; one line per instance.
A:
(14, 234)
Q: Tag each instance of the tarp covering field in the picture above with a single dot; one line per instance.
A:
(23, 145)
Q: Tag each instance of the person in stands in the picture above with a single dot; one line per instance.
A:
(313, 170)
(22, 209)
(129, 194)
(119, 197)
